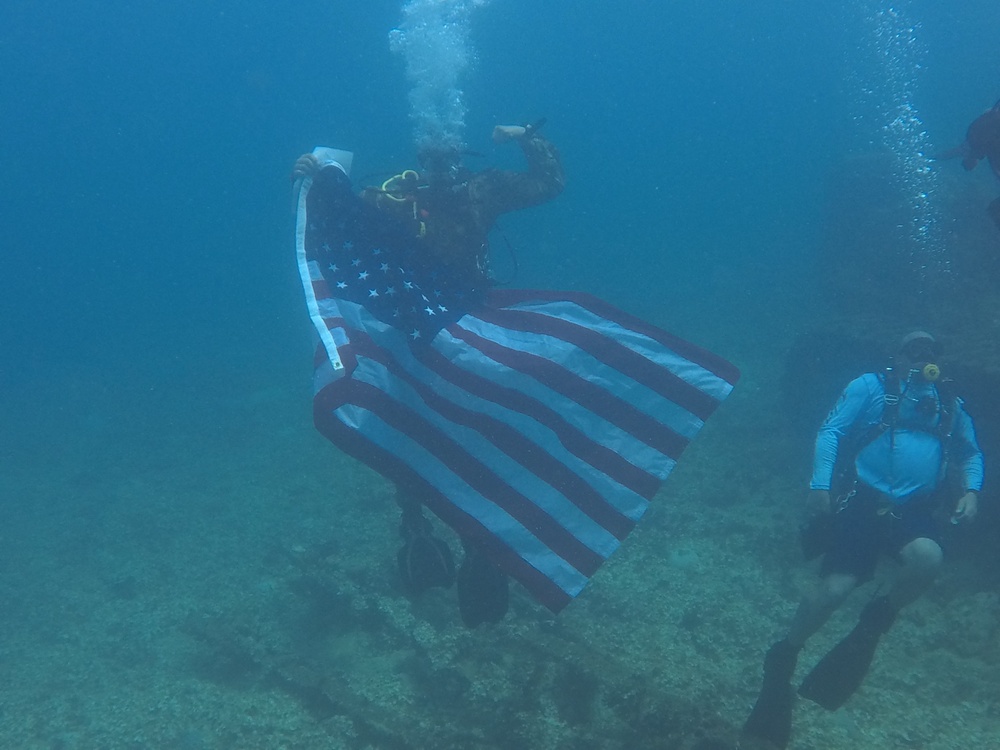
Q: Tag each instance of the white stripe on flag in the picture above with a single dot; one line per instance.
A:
(306, 270)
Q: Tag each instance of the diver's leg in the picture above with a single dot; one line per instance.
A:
(412, 511)
(851, 559)
(840, 673)
(771, 718)
(483, 593)
(994, 211)
(921, 560)
(817, 607)
(860, 534)
(424, 560)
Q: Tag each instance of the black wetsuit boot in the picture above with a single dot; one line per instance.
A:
(838, 674)
(424, 560)
(771, 718)
(483, 594)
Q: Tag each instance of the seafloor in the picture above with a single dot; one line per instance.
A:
(187, 565)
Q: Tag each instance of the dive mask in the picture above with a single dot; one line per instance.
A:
(923, 353)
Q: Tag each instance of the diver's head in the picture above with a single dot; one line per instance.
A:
(442, 167)
(919, 352)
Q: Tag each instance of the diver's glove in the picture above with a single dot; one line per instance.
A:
(505, 133)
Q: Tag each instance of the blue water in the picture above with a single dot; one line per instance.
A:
(145, 222)
(145, 151)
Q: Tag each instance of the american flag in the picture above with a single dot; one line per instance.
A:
(537, 424)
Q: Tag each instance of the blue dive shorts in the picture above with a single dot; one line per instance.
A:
(867, 528)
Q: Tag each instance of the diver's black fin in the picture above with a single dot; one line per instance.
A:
(840, 673)
(483, 595)
(425, 562)
(771, 718)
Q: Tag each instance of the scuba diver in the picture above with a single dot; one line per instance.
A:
(446, 212)
(887, 462)
(982, 141)
(451, 209)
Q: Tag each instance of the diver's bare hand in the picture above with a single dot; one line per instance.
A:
(818, 503)
(504, 133)
(305, 166)
(966, 508)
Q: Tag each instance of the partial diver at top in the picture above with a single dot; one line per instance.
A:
(982, 141)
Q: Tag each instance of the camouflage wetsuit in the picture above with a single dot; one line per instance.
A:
(452, 217)
(982, 141)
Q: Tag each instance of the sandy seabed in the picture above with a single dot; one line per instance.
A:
(187, 565)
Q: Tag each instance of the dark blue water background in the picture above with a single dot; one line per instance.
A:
(145, 150)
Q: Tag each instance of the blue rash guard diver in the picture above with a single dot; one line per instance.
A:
(908, 459)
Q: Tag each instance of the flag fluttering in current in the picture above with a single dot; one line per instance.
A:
(536, 424)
